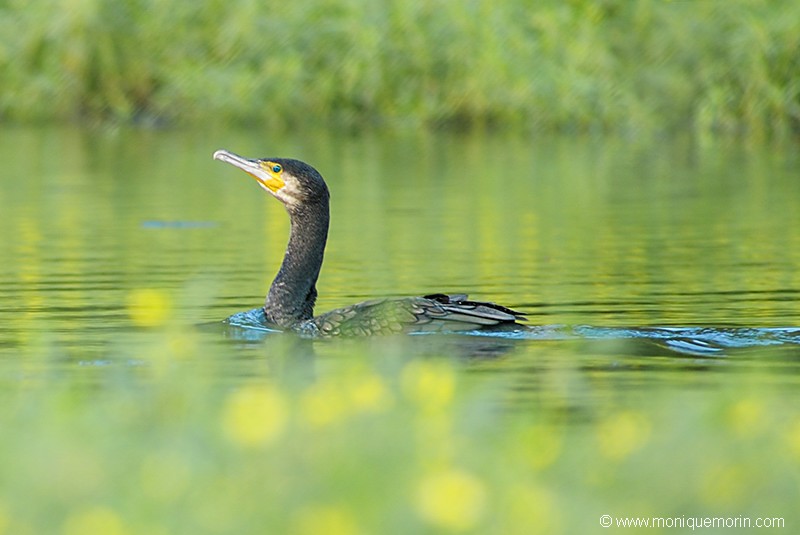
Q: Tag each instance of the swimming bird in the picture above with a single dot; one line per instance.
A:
(290, 302)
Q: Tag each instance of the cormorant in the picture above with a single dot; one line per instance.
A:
(290, 301)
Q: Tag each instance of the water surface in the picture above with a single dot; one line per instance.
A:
(664, 254)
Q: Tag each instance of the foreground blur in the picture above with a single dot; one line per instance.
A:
(352, 442)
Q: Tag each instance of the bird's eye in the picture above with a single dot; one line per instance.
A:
(277, 168)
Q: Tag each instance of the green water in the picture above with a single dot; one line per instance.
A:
(123, 251)
(573, 231)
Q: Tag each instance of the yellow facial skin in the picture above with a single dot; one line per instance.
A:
(273, 171)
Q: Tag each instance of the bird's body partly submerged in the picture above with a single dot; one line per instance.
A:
(290, 302)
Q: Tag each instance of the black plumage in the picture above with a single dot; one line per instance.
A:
(290, 301)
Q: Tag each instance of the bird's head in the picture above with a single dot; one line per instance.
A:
(292, 182)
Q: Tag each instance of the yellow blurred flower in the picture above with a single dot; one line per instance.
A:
(723, 485)
(431, 385)
(325, 519)
(369, 394)
(793, 438)
(323, 403)
(94, 521)
(451, 499)
(540, 445)
(746, 417)
(149, 308)
(622, 433)
(254, 415)
(533, 510)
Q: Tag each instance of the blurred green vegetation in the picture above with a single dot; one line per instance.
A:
(582, 65)
(154, 441)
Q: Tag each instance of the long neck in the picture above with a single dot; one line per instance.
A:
(293, 292)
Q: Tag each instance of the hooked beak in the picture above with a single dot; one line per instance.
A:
(265, 177)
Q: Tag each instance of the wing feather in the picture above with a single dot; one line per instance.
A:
(435, 312)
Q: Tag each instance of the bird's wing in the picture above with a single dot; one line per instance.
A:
(436, 312)
(481, 311)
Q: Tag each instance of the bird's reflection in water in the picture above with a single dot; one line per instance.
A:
(570, 372)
